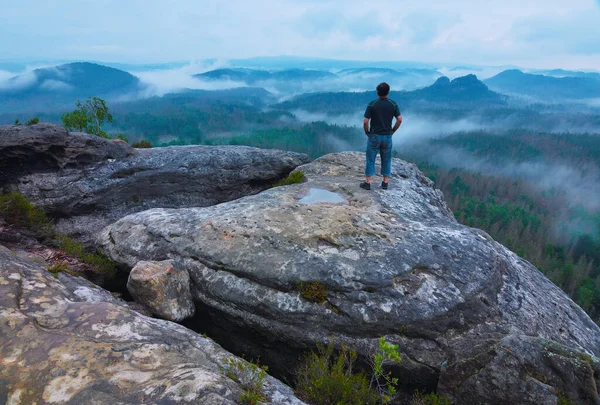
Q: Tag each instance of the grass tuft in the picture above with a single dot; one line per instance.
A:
(250, 376)
(295, 177)
(20, 213)
(313, 291)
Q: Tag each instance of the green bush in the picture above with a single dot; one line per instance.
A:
(141, 144)
(381, 381)
(294, 178)
(60, 267)
(312, 291)
(122, 137)
(326, 379)
(429, 399)
(249, 376)
(19, 212)
(562, 400)
(32, 121)
(97, 260)
(88, 117)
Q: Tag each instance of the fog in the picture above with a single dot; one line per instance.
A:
(482, 73)
(162, 81)
(12, 81)
(581, 188)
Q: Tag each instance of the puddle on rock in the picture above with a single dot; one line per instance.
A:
(316, 195)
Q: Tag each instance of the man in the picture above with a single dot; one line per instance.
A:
(380, 113)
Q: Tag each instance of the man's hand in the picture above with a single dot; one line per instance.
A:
(397, 124)
(366, 126)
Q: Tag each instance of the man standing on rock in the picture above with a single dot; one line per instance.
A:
(380, 113)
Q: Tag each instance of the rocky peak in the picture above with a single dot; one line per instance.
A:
(393, 263)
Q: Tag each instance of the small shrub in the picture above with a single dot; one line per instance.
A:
(59, 267)
(19, 212)
(294, 178)
(121, 137)
(250, 376)
(429, 399)
(88, 117)
(324, 379)
(141, 144)
(381, 381)
(17, 122)
(562, 400)
(96, 260)
(32, 121)
(313, 291)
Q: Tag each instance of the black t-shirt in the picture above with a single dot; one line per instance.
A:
(381, 112)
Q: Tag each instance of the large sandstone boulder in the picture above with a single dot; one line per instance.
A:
(87, 182)
(57, 348)
(393, 263)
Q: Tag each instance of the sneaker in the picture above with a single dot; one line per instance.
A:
(365, 185)
(384, 185)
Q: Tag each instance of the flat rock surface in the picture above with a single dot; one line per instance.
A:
(58, 347)
(394, 263)
(87, 182)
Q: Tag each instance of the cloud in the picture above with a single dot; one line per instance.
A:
(459, 32)
(55, 85)
(10, 81)
(580, 189)
(163, 81)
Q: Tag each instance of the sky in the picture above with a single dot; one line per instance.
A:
(525, 33)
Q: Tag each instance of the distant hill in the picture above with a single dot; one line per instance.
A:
(254, 76)
(569, 73)
(462, 92)
(545, 87)
(64, 84)
(310, 80)
(247, 76)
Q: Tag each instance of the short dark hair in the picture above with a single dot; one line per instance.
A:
(383, 89)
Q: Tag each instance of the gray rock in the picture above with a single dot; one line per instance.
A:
(46, 147)
(87, 194)
(162, 288)
(394, 263)
(524, 370)
(56, 348)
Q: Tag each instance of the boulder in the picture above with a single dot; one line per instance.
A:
(392, 263)
(46, 147)
(87, 189)
(59, 349)
(163, 289)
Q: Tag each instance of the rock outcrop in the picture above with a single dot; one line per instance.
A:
(87, 182)
(163, 289)
(469, 315)
(83, 347)
(46, 147)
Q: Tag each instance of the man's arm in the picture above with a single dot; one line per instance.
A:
(366, 126)
(397, 124)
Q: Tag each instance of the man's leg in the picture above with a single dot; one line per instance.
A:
(386, 159)
(372, 149)
(371, 154)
